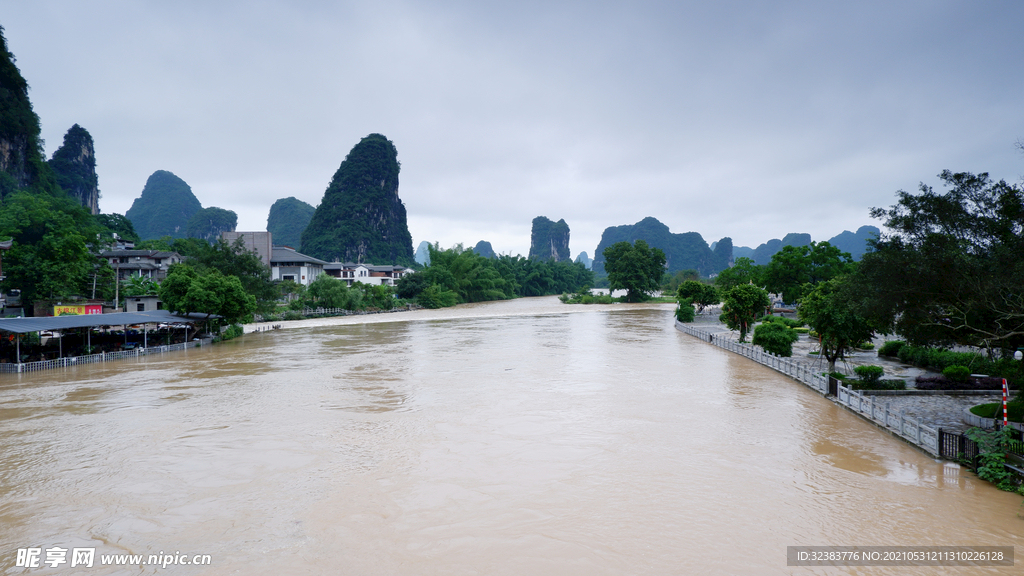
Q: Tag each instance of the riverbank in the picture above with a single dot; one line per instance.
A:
(935, 410)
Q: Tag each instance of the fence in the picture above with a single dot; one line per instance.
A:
(963, 449)
(68, 361)
(913, 430)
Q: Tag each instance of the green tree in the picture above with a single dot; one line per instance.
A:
(328, 292)
(117, 224)
(635, 268)
(188, 291)
(681, 276)
(138, 285)
(232, 260)
(684, 310)
(950, 268)
(699, 293)
(775, 337)
(49, 258)
(742, 305)
(831, 309)
(743, 271)
(794, 269)
(377, 296)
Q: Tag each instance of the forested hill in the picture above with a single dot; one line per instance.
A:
(22, 165)
(361, 218)
(484, 249)
(684, 251)
(287, 220)
(74, 165)
(549, 240)
(854, 243)
(164, 208)
(208, 223)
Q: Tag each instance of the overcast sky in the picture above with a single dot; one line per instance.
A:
(740, 119)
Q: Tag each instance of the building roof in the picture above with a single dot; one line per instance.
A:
(41, 323)
(138, 254)
(286, 254)
(353, 266)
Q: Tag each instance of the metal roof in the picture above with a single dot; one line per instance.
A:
(285, 254)
(40, 323)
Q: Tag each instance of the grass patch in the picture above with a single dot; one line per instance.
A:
(663, 300)
(1014, 410)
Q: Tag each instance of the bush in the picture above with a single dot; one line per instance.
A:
(878, 385)
(836, 375)
(943, 383)
(801, 330)
(891, 347)
(866, 346)
(791, 322)
(685, 311)
(869, 374)
(233, 331)
(292, 315)
(775, 337)
(957, 373)
(435, 296)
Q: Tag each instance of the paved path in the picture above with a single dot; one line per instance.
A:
(937, 411)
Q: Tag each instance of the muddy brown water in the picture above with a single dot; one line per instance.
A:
(523, 437)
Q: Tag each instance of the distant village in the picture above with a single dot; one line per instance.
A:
(285, 264)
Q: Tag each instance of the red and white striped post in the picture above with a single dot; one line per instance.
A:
(1004, 402)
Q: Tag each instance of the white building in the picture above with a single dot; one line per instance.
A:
(351, 272)
(287, 264)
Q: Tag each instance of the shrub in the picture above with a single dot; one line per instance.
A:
(685, 311)
(957, 373)
(436, 296)
(292, 315)
(775, 337)
(791, 322)
(943, 383)
(802, 330)
(233, 331)
(869, 374)
(891, 347)
(879, 385)
(836, 375)
(866, 346)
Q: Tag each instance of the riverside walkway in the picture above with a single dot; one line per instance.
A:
(880, 412)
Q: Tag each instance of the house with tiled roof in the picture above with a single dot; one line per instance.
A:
(152, 264)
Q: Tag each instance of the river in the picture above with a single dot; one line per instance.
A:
(519, 437)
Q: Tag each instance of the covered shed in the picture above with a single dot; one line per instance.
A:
(14, 328)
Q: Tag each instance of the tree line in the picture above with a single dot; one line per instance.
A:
(948, 271)
(459, 275)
